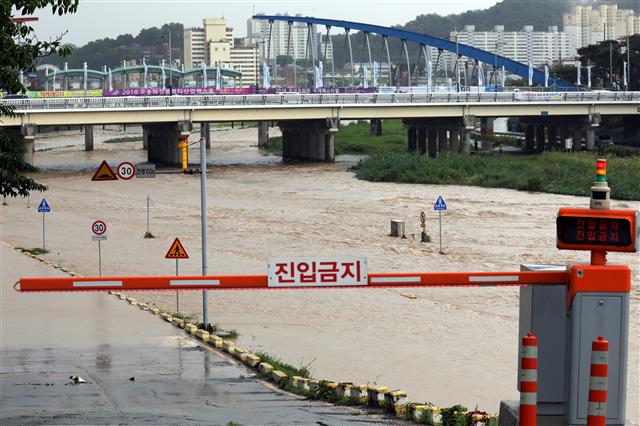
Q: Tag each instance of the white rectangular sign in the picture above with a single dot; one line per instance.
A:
(98, 237)
(317, 272)
(145, 170)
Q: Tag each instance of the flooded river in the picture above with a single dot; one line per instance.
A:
(446, 346)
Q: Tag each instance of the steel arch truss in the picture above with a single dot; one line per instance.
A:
(510, 65)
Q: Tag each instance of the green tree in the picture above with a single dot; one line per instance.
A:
(20, 49)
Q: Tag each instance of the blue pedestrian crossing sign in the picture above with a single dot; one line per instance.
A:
(44, 207)
(440, 204)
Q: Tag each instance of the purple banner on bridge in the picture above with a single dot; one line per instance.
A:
(154, 91)
(317, 90)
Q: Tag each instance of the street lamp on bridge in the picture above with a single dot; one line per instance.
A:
(170, 64)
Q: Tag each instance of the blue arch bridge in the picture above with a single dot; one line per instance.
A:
(479, 56)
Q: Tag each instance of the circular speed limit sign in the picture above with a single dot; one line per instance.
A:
(126, 170)
(99, 227)
(423, 217)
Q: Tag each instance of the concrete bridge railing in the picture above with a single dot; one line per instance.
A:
(318, 99)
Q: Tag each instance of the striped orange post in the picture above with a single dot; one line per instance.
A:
(597, 408)
(528, 380)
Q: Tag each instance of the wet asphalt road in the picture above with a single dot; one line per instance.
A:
(47, 337)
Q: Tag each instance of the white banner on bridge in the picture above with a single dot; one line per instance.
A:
(307, 272)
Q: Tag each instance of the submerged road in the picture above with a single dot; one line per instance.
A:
(138, 369)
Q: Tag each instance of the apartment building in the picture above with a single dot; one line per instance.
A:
(526, 46)
(291, 39)
(586, 25)
(214, 44)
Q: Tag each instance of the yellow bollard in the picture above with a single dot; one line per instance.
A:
(185, 154)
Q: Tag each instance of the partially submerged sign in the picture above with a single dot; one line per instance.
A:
(44, 207)
(176, 251)
(317, 272)
(145, 170)
(104, 172)
(440, 204)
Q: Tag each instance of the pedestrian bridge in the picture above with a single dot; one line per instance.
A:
(290, 106)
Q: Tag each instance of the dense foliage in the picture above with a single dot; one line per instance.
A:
(602, 56)
(552, 172)
(20, 49)
(150, 43)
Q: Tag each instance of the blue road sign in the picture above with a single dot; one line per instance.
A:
(44, 207)
(440, 204)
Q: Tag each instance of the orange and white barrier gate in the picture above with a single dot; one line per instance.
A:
(564, 307)
(597, 408)
(257, 282)
(528, 380)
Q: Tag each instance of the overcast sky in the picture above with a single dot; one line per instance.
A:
(109, 18)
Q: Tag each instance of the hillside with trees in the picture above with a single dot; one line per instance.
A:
(151, 44)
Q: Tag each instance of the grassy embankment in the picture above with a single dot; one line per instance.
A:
(552, 172)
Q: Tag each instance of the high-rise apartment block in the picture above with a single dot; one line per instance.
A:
(586, 25)
(526, 46)
(281, 38)
(214, 44)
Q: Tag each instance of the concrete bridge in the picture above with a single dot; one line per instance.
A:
(309, 122)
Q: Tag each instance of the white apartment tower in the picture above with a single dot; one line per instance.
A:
(285, 37)
(537, 47)
(585, 25)
(214, 44)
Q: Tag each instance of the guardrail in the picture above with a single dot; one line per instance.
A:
(316, 99)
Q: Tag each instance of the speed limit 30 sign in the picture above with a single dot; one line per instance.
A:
(126, 170)
(99, 227)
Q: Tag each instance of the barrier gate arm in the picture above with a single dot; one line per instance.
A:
(257, 282)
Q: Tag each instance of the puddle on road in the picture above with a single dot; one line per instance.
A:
(177, 342)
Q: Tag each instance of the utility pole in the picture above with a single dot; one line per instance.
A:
(628, 60)
(170, 66)
(611, 63)
(495, 67)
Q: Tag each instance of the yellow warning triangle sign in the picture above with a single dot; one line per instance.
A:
(104, 172)
(176, 251)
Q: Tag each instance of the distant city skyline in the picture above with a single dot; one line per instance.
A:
(98, 19)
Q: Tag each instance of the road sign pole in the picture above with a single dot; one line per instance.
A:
(203, 217)
(177, 293)
(147, 215)
(99, 259)
(440, 221)
(42, 230)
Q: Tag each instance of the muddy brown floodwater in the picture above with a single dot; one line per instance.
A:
(446, 346)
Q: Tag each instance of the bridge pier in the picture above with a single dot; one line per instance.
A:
(430, 136)
(375, 127)
(540, 138)
(631, 126)
(28, 132)
(205, 132)
(528, 137)
(433, 142)
(454, 140)
(422, 140)
(412, 138)
(553, 137)
(263, 133)
(162, 141)
(590, 138)
(88, 137)
(308, 140)
(577, 138)
(486, 126)
(443, 144)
